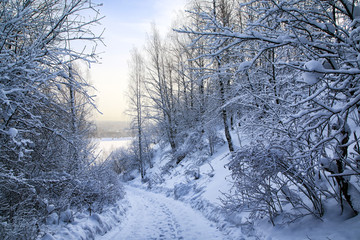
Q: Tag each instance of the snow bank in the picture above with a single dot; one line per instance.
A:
(82, 226)
(334, 225)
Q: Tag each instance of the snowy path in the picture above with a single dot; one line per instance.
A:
(154, 216)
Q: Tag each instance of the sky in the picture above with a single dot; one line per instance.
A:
(126, 24)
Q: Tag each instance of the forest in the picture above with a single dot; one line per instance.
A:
(279, 78)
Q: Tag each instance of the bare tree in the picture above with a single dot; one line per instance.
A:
(44, 155)
(295, 73)
(136, 97)
(161, 86)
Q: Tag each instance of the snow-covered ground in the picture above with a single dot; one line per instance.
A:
(204, 194)
(175, 204)
(83, 226)
(154, 216)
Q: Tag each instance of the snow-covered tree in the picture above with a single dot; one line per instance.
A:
(295, 81)
(44, 155)
(138, 110)
(161, 86)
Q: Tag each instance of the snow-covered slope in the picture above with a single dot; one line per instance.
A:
(202, 184)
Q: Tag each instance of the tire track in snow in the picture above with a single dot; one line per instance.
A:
(154, 216)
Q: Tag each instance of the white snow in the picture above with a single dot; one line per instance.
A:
(244, 65)
(333, 226)
(314, 65)
(150, 215)
(82, 225)
(204, 195)
(219, 183)
(313, 76)
(154, 216)
(13, 132)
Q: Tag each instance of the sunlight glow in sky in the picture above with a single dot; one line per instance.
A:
(126, 24)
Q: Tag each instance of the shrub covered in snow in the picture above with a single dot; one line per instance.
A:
(267, 184)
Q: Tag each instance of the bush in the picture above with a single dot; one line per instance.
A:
(266, 184)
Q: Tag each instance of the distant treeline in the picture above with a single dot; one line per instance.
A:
(112, 129)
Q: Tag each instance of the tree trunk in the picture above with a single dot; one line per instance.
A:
(341, 153)
(224, 117)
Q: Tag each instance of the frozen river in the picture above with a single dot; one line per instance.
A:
(107, 145)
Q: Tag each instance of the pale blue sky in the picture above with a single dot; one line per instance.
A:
(126, 24)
